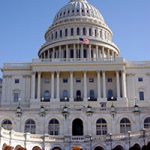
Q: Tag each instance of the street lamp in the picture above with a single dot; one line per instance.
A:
(136, 109)
(129, 137)
(18, 109)
(65, 112)
(143, 134)
(110, 138)
(42, 113)
(113, 110)
(89, 110)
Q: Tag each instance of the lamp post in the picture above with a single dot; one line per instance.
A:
(42, 114)
(129, 138)
(113, 110)
(90, 142)
(143, 135)
(110, 138)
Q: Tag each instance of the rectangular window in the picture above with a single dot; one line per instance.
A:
(16, 81)
(66, 32)
(65, 80)
(141, 95)
(84, 31)
(91, 80)
(16, 96)
(78, 80)
(109, 80)
(85, 53)
(46, 81)
(140, 79)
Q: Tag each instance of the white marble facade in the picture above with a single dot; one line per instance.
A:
(76, 95)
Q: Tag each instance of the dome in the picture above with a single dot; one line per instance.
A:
(78, 8)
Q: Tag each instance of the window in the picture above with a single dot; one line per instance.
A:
(91, 80)
(92, 94)
(78, 31)
(101, 127)
(56, 35)
(110, 94)
(109, 80)
(72, 31)
(65, 80)
(95, 33)
(125, 125)
(53, 127)
(16, 95)
(7, 124)
(65, 94)
(30, 126)
(140, 79)
(78, 80)
(78, 93)
(46, 96)
(90, 32)
(147, 123)
(85, 53)
(71, 53)
(141, 95)
(16, 81)
(60, 34)
(66, 32)
(84, 31)
(46, 81)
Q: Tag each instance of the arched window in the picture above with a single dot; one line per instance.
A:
(84, 31)
(30, 126)
(90, 32)
(125, 125)
(77, 127)
(72, 31)
(101, 127)
(46, 96)
(7, 124)
(53, 127)
(78, 31)
(147, 123)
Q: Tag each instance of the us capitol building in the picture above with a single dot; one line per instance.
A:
(79, 94)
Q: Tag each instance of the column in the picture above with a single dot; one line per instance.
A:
(33, 86)
(74, 51)
(98, 85)
(67, 52)
(124, 90)
(103, 52)
(53, 53)
(59, 52)
(52, 85)
(81, 52)
(58, 86)
(48, 51)
(90, 52)
(104, 84)
(97, 56)
(118, 85)
(71, 86)
(39, 86)
(85, 86)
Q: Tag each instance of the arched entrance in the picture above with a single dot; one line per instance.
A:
(136, 147)
(77, 127)
(118, 147)
(56, 148)
(36, 148)
(99, 148)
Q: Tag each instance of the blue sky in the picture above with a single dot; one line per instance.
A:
(24, 22)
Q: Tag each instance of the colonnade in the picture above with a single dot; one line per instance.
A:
(101, 77)
(75, 51)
